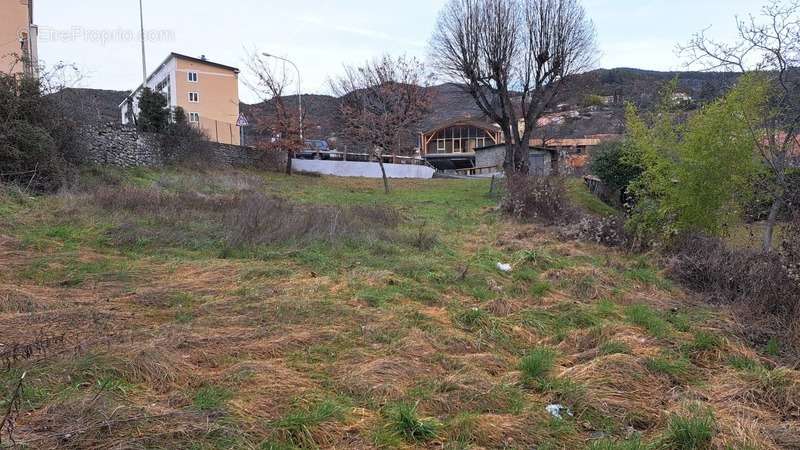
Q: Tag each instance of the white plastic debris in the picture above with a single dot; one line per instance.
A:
(503, 267)
(557, 410)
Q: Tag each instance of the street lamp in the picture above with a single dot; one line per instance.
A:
(299, 91)
(144, 60)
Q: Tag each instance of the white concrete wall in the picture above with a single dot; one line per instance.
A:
(361, 169)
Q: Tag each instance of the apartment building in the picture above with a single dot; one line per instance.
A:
(18, 37)
(207, 91)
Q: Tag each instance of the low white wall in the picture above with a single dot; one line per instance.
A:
(361, 169)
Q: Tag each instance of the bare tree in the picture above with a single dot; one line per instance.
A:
(279, 120)
(768, 45)
(513, 57)
(382, 103)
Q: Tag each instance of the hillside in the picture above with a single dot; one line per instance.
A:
(450, 102)
(92, 105)
(642, 86)
(248, 310)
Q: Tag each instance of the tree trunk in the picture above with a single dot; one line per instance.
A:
(289, 157)
(769, 229)
(555, 163)
(383, 172)
(522, 158)
(517, 159)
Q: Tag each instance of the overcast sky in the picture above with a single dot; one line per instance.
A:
(99, 36)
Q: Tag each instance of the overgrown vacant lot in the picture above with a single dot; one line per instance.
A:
(208, 310)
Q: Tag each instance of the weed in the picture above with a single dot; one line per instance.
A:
(773, 347)
(565, 391)
(692, 432)
(680, 321)
(538, 364)
(647, 318)
(296, 428)
(539, 289)
(676, 367)
(606, 308)
(405, 422)
(472, 319)
(461, 429)
(376, 296)
(614, 347)
(211, 398)
(610, 444)
(704, 341)
(271, 445)
(743, 363)
(643, 275)
(184, 317)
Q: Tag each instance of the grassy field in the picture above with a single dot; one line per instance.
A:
(216, 310)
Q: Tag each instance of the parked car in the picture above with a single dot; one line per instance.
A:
(316, 146)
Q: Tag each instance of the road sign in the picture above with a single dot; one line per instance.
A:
(242, 122)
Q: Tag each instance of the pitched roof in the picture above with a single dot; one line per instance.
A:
(199, 60)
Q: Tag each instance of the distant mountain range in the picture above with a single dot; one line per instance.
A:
(450, 102)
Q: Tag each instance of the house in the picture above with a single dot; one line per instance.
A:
(451, 145)
(18, 38)
(680, 98)
(207, 91)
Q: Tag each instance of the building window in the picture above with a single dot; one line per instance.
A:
(441, 145)
(457, 146)
(192, 77)
(194, 97)
(194, 117)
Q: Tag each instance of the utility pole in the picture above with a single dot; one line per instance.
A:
(144, 57)
(299, 91)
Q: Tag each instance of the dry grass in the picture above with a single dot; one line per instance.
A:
(316, 345)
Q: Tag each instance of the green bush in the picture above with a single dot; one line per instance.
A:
(37, 137)
(610, 166)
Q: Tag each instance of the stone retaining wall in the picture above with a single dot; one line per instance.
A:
(124, 146)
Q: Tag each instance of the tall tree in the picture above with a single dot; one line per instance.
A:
(513, 57)
(270, 80)
(382, 103)
(769, 46)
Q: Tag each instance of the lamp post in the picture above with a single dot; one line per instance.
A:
(144, 60)
(299, 91)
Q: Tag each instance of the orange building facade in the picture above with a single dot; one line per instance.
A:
(18, 37)
(207, 91)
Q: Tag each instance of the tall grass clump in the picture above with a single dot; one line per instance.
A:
(405, 422)
(538, 364)
(647, 318)
(297, 427)
(694, 431)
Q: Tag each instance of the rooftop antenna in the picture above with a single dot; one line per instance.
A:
(144, 58)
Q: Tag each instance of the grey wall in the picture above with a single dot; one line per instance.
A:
(541, 162)
(491, 156)
(362, 169)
